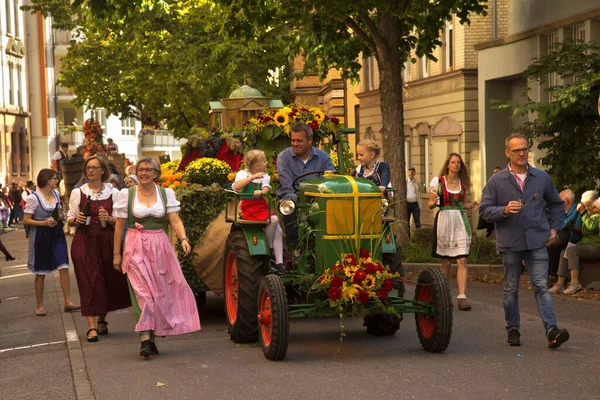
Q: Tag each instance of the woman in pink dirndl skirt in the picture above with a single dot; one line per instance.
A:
(166, 301)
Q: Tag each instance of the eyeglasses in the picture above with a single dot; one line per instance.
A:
(54, 177)
(145, 170)
(519, 151)
(92, 168)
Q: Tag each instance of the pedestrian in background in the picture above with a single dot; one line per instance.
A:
(451, 228)
(166, 302)
(526, 208)
(101, 288)
(131, 181)
(112, 147)
(60, 155)
(412, 198)
(47, 244)
(15, 199)
(27, 190)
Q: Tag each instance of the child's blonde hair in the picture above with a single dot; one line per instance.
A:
(370, 145)
(252, 157)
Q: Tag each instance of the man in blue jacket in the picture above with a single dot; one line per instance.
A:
(302, 157)
(524, 205)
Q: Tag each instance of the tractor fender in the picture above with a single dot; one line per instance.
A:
(257, 240)
(388, 242)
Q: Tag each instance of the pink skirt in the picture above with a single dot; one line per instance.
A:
(166, 301)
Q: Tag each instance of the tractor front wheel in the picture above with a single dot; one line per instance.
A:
(274, 327)
(243, 273)
(434, 331)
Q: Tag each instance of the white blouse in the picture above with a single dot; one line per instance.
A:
(120, 209)
(434, 184)
(31, 203)
(243, 174)
(107, 191)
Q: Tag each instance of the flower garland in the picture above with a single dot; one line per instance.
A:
(272, 123)
(354, 282)
(92, 132)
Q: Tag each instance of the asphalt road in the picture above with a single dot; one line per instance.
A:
(49, 358)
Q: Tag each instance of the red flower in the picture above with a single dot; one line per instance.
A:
(337, 267)
(363, 254)
(350, 259)
(267, 119)
(379, 267)
(370, 267)
(337, 281)
(382, 294)
(387, 285)
(335, 293)
(363, 296)
(314, 125)
(335, 120)
(359, 276)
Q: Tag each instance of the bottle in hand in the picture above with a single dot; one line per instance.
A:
(55, 213)
(87, 210)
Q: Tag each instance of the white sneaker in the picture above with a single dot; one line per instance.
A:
(557, 288)
(573, 288)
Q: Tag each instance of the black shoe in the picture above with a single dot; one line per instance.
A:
(146, 348)
(556, 337)
(105, 330)
(153, 349)
(280, 268)
(92, 338)
(514, 338)
(9, 258)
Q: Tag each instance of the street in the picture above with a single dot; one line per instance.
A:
(49, 358)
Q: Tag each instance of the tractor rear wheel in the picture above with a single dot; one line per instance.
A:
(394, 261)
(243, 273)
(274, 327)
(382, 324)
(434, 331)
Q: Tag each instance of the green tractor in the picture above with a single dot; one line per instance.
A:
(337, 214)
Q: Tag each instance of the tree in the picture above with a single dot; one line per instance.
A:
(336, 33)
(167, 58)
(568, 127)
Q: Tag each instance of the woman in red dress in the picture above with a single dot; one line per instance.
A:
(101, 288)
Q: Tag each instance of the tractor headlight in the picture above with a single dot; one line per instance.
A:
(384, 206)
(287, 206)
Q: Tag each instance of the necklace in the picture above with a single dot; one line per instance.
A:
(146, 194)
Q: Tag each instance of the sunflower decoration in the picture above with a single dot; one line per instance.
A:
(281, 118)
(318, 115)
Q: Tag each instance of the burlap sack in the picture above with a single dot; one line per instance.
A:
(209, 254)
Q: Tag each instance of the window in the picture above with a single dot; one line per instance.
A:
(128, 126)
(368, 74)
(426, 152)
(100, 116)
(24, 150)
(547, 44)
(578, 33)
(11, 83)
(405, 72)
(407, 154)
(69, 115)
(19, 87)
(425, 66)
(14, 152)
(16, 11)
(449, 47)
(8, 19)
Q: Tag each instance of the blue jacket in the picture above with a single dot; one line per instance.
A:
(573, 218)
(542, 210)
(289, 166)
(383, 170)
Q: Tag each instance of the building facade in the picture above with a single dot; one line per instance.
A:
(15, 154)
(533, 27)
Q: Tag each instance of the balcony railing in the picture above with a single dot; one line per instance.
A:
(62, 38)
(73, 137)
(63, 91)
(159, 138)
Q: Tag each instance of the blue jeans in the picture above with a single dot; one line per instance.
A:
(413, 208)
(537, 266)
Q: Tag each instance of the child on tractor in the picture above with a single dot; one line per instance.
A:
(254, 180)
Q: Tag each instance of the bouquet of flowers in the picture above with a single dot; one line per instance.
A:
(270, 124)
(92, 132)
(169, 177)
(355, 281)
(206, 171)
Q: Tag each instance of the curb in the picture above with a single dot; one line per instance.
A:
(475, 270)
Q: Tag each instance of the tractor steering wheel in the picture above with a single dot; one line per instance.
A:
(296, 184)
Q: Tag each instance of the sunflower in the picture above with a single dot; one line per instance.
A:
(369, 282)
(349, 271)
(349, 292)
(281, 118)
(318, 115)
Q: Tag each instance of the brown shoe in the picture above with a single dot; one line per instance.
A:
(463, 305)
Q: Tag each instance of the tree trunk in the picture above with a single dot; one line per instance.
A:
(392, 114)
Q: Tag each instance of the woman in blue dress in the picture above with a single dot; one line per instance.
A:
(47, 244)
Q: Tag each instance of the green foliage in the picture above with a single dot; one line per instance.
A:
(205, 171)
(165, 57)
(199, 207)
(568, 128)
(418, 249)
